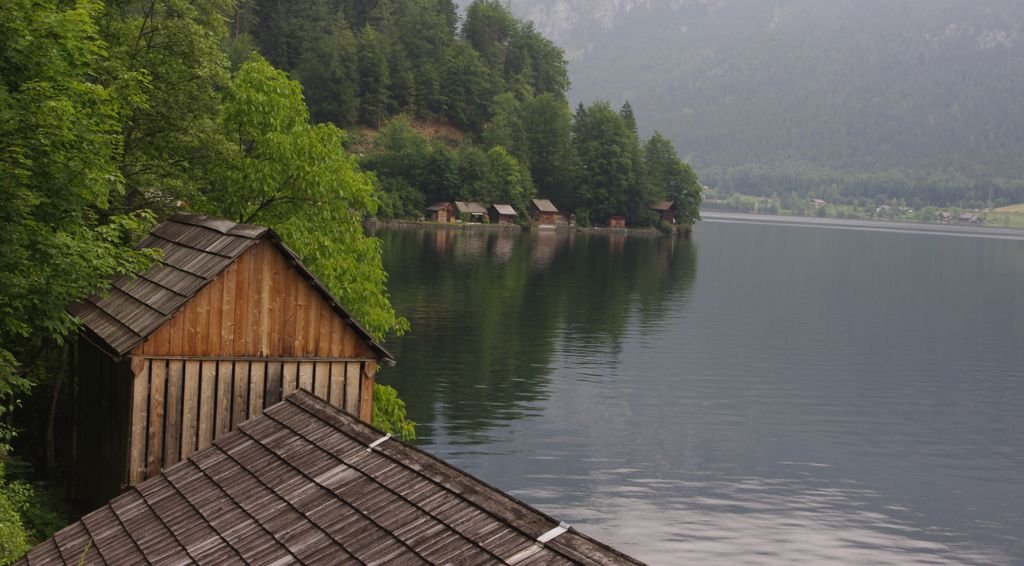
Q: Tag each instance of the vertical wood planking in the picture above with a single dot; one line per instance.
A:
(139, 420)
(225, 393)
(266, 294)
(191, 316)
(323, 349)
(254, 301)
(306, 376)
(287, 332)
(172, 418)
(322, 380)
(240, 402)
(369, 378)
(213, 329)
(337, 337)
(313, 324)
(337, 393)
(157, 391)
(241, 301)
(349, 346)
(190, 409)
(201, 345)
(227, 305)
(301, 312)
(352, 389)
(281, 300)
(273, 383)
(289, 378)
(257, 388)
(207, 403)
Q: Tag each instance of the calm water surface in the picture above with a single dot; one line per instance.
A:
(762, 394)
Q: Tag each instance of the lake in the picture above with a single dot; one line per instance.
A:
(765, 393)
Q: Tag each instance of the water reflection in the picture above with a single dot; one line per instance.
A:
(486, 307)
(807, 396)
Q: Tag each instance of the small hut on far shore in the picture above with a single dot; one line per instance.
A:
(442, 212)
(472, 211)
(666, 211)
(502, 214)
(543, 211)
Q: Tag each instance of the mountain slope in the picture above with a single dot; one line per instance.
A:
(799, 87)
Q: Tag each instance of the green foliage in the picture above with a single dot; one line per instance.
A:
(59, 153)
(14, 540)
(389, 414)
(278, 170)
(606, 175)
(672, 179)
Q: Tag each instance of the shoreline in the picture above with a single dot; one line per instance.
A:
(966, 231)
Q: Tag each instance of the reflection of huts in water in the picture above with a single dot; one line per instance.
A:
(543, 211)
(617, 222)
(443, 240)
(470, 211)
(545, 245)
(442, 212)
(229, 323)
(305, 483)
(616, 243)
(471, 244)
(502, 214)
(502, 246)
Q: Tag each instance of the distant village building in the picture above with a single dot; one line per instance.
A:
(305, 483)
(229, 323)
(944, 217)
(502, 214)
(666, 211)
(543, 211)
(970, 218)
(818, 203)
(442, 212)
(474, 211)
(617, 222)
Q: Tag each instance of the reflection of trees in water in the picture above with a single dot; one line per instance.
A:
(487, 308)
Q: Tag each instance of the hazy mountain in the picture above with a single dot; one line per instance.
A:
(808, 85)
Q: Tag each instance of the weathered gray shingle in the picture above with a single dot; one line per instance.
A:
(299, 485)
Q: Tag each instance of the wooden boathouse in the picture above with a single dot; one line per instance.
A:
(666, 211)
(442, 212)
(305, 483)
(229, 323)
(543, 211)
(502, 214)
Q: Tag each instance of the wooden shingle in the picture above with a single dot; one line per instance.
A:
(196, 250)
(300, 484)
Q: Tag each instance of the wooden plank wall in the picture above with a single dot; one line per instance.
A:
(180, 405)
(260, 306)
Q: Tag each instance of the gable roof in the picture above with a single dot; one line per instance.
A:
(306, 483)
(196, 250)
(439, 206)
(470, 207)
(663, 205)
(505, 209)
(543, 205)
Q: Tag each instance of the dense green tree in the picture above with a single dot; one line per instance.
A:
(468, 88)
(280, 171)
(506, 126)
(329, 72)
(488, 28)
(606, 174)
(547, 122)
(173, 50)
(672, 179)
(374, 77)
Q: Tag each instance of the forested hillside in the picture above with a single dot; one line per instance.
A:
(916, 99)
(384, 69)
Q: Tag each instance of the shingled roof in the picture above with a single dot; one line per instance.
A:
(470, 208)
(544, 205)
(505, 209)
(196, 250)
(663, 205)
(307, 483)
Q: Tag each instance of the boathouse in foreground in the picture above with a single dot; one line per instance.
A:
(229, 323)
(305, 483)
